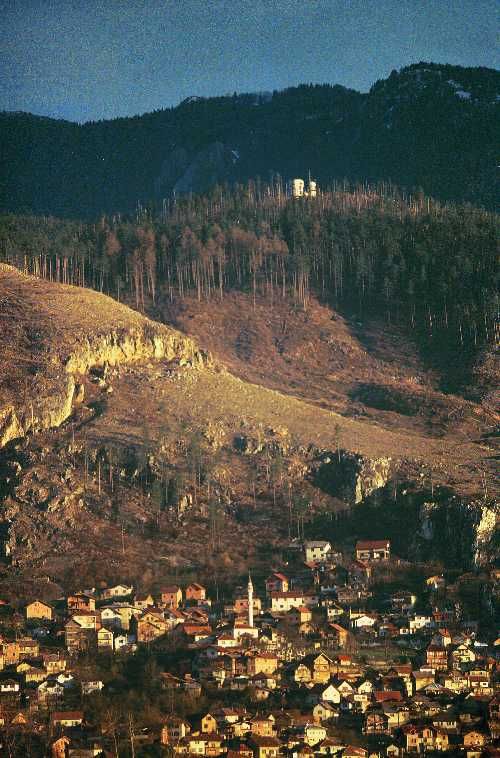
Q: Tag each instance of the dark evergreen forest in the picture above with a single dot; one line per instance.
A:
(429, 125)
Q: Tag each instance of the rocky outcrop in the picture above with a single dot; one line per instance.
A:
(276, 440)
(486, 532)
(52, 392)
(349, 476)
(468, 528)
(49, 406)
(10, 426)
(196, 171)
(373, 474)
(133, 345)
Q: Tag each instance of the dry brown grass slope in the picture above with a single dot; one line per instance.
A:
(70, 487)
(53, 332)
(372, 368)
(195, 400)
(370, 374)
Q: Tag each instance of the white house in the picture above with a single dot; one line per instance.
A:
(313, 733)
(121, 641)
(331, 694)
(227, 640)
(316, 550)
(119, 590)
(91, 686)
(419, 622)
(110, 618)
(333, 610)
(366, 687)
(243, 629)
(50, 689)
(126, 611)
(282, 602)
(104, 639)
(66, 680)
(324, 711)
(9, 685)
(345, 688)
(86, 619)
(363, 622)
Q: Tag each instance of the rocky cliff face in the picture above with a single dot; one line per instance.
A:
(461, 532)
(388, 499)
(55, 350)
(184, 171)
(350, 476)
(372, 475)
(49, 405)
(52, 397)
(133, 345)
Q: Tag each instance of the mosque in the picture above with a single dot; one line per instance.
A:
(246, 626)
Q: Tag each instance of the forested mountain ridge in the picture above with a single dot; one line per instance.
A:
(431, 126)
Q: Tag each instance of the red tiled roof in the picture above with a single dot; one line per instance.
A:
(265, 741)
(382, 697)
(350, 750)
(404, 668)
(265, 656)
(280, 576)
(197, 629)
(67, 716)
(373, 544)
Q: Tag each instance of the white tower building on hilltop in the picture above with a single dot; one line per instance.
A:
(299, 188)
(250, 602)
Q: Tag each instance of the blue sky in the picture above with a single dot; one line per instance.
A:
(94, 59)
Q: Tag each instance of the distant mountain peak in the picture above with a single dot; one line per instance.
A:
(409, 128)
(191, 99)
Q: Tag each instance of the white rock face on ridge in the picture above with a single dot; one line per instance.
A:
(51, 401)
(470, 523)
(485, 529)
(373, 475)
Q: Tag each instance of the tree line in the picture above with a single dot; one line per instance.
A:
(425, 265)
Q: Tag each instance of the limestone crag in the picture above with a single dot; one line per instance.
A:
(486, 521)
(468, 527)
(373, 474)
(133, 345)
(350, 476)
(10, 426)
(55, 334)
(51, 395)
(49, 405)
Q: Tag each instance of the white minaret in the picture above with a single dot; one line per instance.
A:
(250, 601)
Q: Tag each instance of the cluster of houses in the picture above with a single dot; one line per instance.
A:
(316, 659)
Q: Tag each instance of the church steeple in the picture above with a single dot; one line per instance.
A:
(250, 601)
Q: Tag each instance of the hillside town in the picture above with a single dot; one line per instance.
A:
(326, 655)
